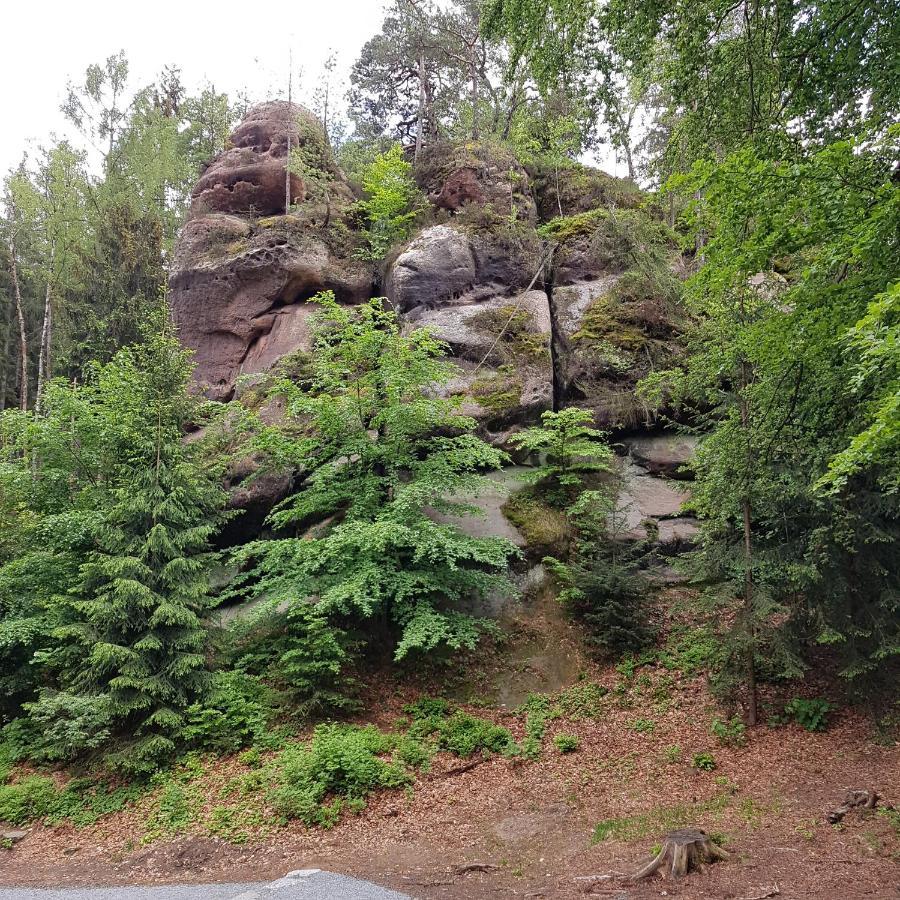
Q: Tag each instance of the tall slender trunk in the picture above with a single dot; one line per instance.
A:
(473, 92)
(23, 339)
(746, 512)
(4, 357)
(44, 366)
(420, 116)
(287, 136)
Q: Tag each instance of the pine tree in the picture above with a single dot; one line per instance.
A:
(136, 637)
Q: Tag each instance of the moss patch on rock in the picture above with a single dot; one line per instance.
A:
(544, 527)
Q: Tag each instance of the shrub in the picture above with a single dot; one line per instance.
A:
(643, 726)
(582, 701)
(341, 761)
(67, 725)
(236, 713)
(29, 799)
(703, 761)
(566, 743)
(731, 733)
(464, 735)
(812, 714)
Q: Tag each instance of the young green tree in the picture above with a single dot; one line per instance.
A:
(383, 449)
(796, 523)
(391, 201)
(572, 447)
(125, 586)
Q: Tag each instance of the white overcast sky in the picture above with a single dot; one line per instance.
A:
(233, 44)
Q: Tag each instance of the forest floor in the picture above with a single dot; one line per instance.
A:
(562, 826)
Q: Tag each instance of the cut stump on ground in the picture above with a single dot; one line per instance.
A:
(682, 850)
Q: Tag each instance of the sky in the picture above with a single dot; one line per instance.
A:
(242, 45)
(236, 45)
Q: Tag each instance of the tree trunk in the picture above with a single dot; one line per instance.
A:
(4, 357)
(746, 513)
(288, 139)
(44, 373)
(23, 339)
(420, 116)
(473, 74)
(684, 849)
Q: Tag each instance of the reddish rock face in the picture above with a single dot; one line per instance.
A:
(240, 284)
(250, 177)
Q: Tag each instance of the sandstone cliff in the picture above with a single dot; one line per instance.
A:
(551, 288)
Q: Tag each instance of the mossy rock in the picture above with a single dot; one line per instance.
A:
(545, 527)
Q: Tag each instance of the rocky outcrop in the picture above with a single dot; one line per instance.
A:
(480, 174)
(250, 175)
(530, 329)
(240, 283)
(472, 291)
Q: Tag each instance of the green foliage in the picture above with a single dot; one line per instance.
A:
(811, 713)
(122, 588)
(238, 711)
(573, 449)
(391, 203)
(381, 447)
(464, 735)
(26, 800)
(705, 762)
(769, 359)
(729, 733)
(566, 743)
(299, 652)
(643, 726)
(66, 726)
(601, 584)
(582, 701)
(342, 762)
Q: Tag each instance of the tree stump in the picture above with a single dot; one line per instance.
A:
(682, 850)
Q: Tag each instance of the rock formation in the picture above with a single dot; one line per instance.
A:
(550, 287)
(240, 281)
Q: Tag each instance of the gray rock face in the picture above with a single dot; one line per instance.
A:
(457, 286)
(668, 455)
(437, 266)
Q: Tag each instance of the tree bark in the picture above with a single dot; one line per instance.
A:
(44, 366)
(4, 357)
(23, 339)
(420, 118)
(473, 91)
(746, 513)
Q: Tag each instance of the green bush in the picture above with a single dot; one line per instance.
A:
(342, 762)
(236, 713)
(464, 735)
(566, 743)
(26, 800)
(65, 726)
(703, 761)
(731, 733)
(812, 714)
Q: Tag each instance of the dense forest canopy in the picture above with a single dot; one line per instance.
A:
(763, 201)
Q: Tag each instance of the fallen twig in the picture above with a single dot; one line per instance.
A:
(772, 892)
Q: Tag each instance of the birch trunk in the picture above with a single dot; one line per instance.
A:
(23, 339)
(43, 374)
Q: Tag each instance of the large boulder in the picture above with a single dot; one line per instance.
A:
(474, 291)
(482, 174)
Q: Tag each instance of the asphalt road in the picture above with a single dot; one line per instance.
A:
(304, 884)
